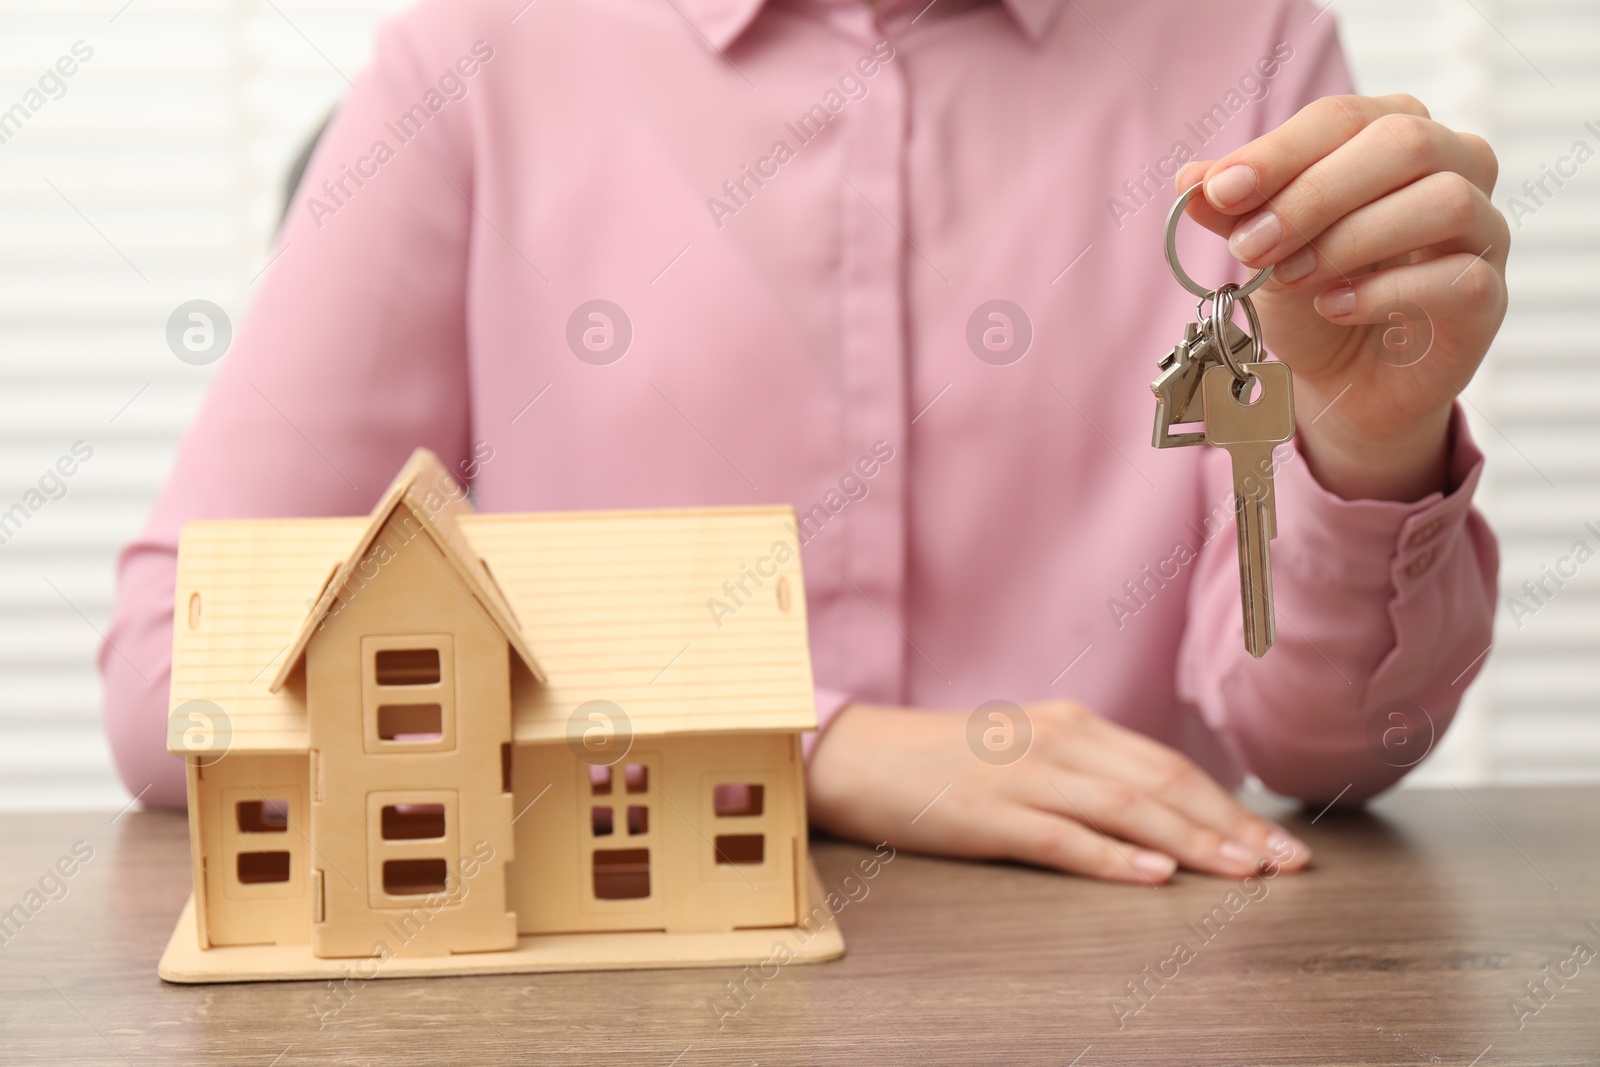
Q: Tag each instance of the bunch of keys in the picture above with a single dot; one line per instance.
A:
(1209, 378)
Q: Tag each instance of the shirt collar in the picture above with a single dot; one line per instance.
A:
(722, 21)
(1034, 16)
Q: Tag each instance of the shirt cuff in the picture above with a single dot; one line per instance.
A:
(1374, 543)
(830, 702)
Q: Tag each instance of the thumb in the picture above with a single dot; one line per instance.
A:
(1190, 173)
(1200, 209)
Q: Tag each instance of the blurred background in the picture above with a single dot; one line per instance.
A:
(153, 175)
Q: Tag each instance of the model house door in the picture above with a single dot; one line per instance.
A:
(589, 841)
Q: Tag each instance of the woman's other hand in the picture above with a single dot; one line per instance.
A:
(1086, 796)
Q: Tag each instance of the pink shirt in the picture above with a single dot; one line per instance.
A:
(804, 209)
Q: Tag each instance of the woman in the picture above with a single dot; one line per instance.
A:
(900, 266)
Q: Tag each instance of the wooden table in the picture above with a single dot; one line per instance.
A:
(1410, 943)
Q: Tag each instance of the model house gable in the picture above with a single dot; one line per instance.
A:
(423, 501)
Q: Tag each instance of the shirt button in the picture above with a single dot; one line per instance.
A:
(1419, 566)
(1424, 533)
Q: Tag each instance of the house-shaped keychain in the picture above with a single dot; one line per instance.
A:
(441, 742)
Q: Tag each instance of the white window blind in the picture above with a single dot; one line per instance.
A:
(151, 176)
(148, 178)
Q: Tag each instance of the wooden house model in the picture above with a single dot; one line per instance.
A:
(452, 742)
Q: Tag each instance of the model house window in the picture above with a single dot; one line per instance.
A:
(603, 820)
(619, 826)
(263, 816)
(734, 799)
(257, 863)
(739, 809)
(741, 850)
(635, 779)
(412, 822)
(260, 859)
(407, 666)
(410, 722)
(257, 868)
(621, 873)
(413, 845)
(408, 693)
(415, 877)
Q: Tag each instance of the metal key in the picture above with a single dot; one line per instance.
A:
(1177, 387)
(1249, 431)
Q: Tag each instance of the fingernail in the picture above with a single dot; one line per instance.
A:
(1256, 236)
(1231, 186)
(1285, 848)
(1239, 855)
(1296, 266)
(1336, 303)
(1155, 864)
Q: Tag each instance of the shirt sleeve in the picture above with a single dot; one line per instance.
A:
(830, 702)
(353, 353)
(1384, 610)
(1384, 614)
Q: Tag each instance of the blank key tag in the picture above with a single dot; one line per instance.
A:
(1249, 431)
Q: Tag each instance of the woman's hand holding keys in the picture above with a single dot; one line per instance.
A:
(1386, 246)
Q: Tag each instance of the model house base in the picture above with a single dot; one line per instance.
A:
(185, 962)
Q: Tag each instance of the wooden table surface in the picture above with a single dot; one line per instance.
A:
(1411, 942)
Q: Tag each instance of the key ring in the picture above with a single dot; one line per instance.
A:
(1222, 304)
(1228, 293)
(1172, 252)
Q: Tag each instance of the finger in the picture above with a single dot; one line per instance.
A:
(1200, 209)
(1442, 213)
(1249, 176)
(1178, 782)
(1047, 840)
(1390, 154)
(1488, 162)
(1461, 289)
(1115, 809)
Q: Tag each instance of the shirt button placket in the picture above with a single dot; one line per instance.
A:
(872, 332)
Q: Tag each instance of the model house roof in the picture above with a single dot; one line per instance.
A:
(617, 606)
(437, 501)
